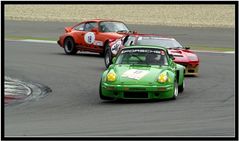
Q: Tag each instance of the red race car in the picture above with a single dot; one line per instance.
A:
(181, 55)
(92, 35)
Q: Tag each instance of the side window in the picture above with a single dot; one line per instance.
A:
(89, 26)
(80, 27)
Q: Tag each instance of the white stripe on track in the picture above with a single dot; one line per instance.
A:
(208, 51)
(39, 41)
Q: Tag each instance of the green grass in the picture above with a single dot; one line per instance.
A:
(207, 48)
(192, 47)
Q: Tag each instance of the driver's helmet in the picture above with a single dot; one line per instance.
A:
(151, 58)
(103, 28)
(154, 58)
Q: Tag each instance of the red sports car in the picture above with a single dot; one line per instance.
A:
(182, 55)
(92, 35)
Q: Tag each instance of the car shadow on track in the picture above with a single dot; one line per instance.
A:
(126, 101)
(190, 76)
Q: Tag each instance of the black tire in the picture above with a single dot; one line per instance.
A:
(69, 46)
(103, 97)
(175, 93)
(107, 56)
(181, 87)
(102, 54)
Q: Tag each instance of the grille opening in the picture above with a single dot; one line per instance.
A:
(115, 93)
(191, 71)
(135, 94)
(156, 93)
(137, 89)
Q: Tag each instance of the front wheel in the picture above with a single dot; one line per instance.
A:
(69, 46)
(102, 96)
(181, 87)
(108, 57)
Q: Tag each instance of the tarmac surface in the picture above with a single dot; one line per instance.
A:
(73, 108)
(201, 36)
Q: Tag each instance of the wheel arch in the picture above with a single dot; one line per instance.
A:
(105, 43)
(68, 36)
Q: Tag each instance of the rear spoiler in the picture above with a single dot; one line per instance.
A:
(68, 29)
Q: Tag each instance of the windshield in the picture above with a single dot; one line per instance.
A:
(113, 27)
(142, 56)
(130, 40)
(164, 42)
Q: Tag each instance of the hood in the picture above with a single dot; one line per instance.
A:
(138, 74)
(183, 55)
(113, 35)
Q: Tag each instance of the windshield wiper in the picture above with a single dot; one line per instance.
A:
(178, 47)
(122, 31)
(136, 64)
(174, 48)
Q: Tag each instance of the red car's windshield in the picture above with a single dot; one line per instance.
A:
(113, 27)
(159, 41)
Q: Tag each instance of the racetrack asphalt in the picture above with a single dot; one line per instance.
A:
(73, 108)
(204, 36)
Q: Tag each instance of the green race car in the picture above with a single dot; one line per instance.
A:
(142, 72)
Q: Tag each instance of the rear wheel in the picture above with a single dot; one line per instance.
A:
(181, 87)
(69, 46)
(175, 93)
(108, 57)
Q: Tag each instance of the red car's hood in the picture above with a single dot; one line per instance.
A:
(183, 55)
(113, 35)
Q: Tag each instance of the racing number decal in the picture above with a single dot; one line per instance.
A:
(135, 74)
(89, 38)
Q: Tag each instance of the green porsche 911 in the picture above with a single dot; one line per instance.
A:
(142, 72)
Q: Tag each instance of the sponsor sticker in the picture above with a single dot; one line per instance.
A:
(162, 52)
(135, 74)
(154, 38)
(98, 43)
(89, 38)
(115, 47)
(143, 51)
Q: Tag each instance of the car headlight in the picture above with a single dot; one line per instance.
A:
(162, 78)
(193, 58)
(111, 76)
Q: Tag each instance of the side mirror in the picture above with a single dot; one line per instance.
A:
(94, 29)
(114, 60)
(171, 56)
(187, 47)
(135, 32)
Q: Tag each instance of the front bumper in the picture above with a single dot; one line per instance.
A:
(190, 69)
(137, 91)
(58, 42)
